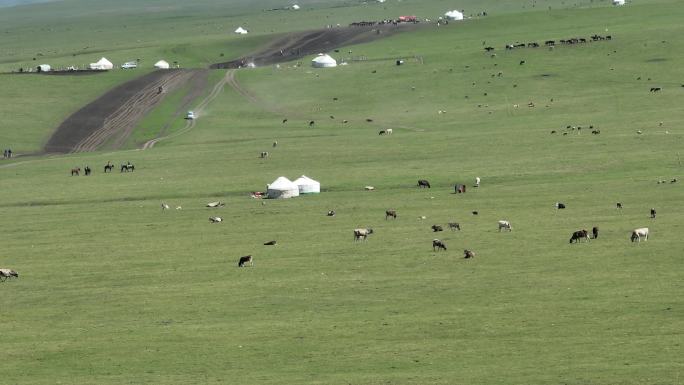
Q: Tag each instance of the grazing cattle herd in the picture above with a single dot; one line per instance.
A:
(552, 43)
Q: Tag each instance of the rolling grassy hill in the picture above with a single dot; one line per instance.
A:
(114, 290)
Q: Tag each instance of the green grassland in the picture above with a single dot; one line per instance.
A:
(113, 290)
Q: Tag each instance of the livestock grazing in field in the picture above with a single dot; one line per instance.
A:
(215, 219)
(505, 225)
(475, 212)
(362, 234)
(438, 245)
(477, 181)
(264, 154)
(108, 167)
(128, 167)
(653, 213)
(215, 204)
(8, 274)
(390, 214)
(75, 171)
(422, 183)
(655, 89)
(331, 213)
(560, 205)
(578, 235)
(639, 233)
(245, 260)
(618, 205)
(489, 49)
(436, 228)
(459, 189)
(386, 132)
(284, 121)
(270, 243)
(594, 232)
(311, 123)
(468, 254)
(454, 226)
(369, 188)
(164, 206)
(275, 144)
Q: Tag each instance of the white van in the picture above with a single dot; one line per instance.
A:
(129, 65)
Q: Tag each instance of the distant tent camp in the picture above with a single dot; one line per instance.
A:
(307, 185)
(323, 61)
(282, 188)
(454, 15)
(43, 68)
(162, 64)
(295, 7)
(102, 64)
(618, 2)
(241, 31)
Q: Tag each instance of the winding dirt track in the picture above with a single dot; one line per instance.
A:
(109, 121)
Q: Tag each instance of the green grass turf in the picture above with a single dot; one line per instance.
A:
(113, 290)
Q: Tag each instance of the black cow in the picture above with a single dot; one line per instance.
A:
(423, 183)
(244, 260)
(595, 231)
(577, 236)
(436, 228)
(438, 245)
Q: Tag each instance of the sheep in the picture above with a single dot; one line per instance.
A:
(164, 206)
(215, 219)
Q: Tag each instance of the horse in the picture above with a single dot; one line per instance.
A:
(390, 213)
(245, 260)
(127, 167)
(76, 171)
(108, 167)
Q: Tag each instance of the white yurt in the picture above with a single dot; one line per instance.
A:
(102, 64)
(43, 68)
(282, 188)
(162, 64)
(295, 7)
(454, 15)
(307, 185)
(323, 61)
(241, 31)
(618, 2)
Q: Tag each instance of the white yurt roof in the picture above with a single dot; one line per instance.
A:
(102, 64)
(163, 64)
(241, 31)
(618, 2)
(282, 188)
(454, 15)
(323, 60)
(307, 185)
(295, 7)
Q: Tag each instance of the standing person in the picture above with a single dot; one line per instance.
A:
(9, 152)
(4, 154)
(653, 213)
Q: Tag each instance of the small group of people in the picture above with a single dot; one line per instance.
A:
(7, 153)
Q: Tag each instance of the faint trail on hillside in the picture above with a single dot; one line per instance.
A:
(190, 123)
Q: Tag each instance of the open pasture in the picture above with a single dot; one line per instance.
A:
(113, 289)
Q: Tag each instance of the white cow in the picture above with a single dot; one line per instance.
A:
(637, 234)
(164, 206)
(7, 274)
(215, 204)
(505, 225)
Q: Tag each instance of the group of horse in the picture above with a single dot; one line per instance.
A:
(125, 167)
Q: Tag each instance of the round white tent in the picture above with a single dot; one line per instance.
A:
(454, 15)
(323, 61)
(295, 7)
(282, 188)
(102, 64)
(162, 64)
(241, 31)
(618, 2)
(307, 185)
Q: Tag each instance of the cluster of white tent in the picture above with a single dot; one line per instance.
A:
(283, 188)
(241, 31)
(104, 64)
(618, 2)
